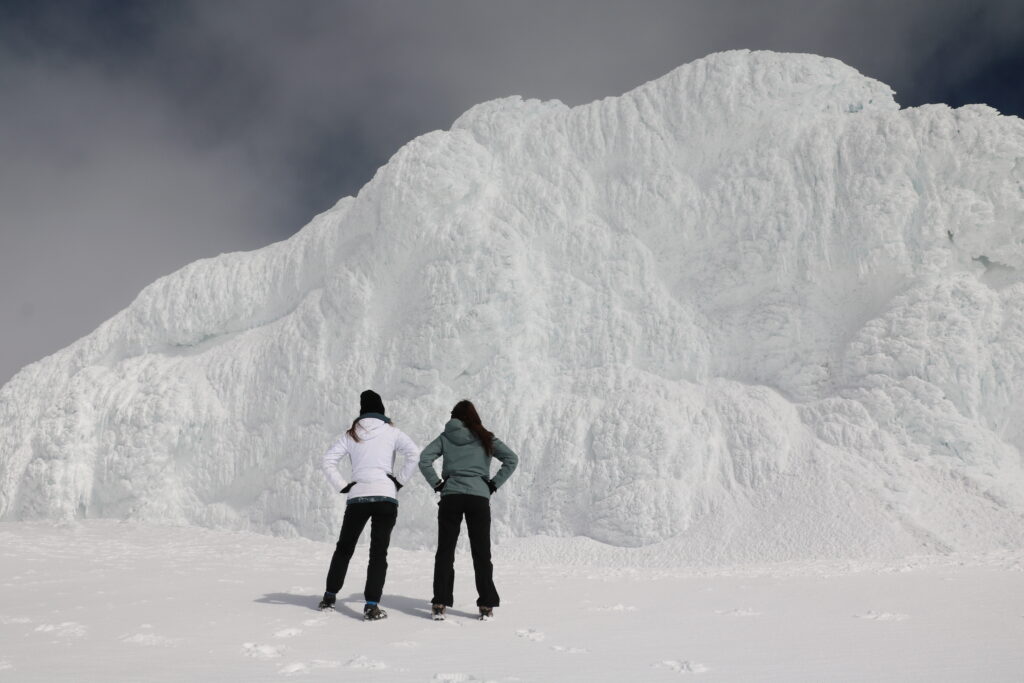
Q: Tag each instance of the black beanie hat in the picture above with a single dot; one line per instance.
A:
(370, 402)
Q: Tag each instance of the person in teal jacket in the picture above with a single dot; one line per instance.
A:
(466, 485)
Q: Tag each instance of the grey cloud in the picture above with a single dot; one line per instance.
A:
(101, 193)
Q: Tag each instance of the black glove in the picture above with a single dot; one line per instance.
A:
(349, 487)
(440, 485)
(490, 485)
(398, 487)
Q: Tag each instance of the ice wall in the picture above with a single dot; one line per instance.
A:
(751, 308)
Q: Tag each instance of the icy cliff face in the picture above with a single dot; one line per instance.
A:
(752, 307)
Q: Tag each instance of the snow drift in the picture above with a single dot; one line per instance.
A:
(752, 308)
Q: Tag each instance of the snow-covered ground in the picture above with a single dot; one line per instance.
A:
(110, 601)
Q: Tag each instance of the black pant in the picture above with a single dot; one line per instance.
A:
(478, 523)
(383, 516)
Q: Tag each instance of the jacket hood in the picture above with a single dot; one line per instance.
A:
(456, 432)
(370, 428)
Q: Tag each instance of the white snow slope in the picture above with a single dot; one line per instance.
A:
(752, 309)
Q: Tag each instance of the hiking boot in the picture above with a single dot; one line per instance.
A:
(373, 612)
(486, 613)
(327, 604)
(437, 612)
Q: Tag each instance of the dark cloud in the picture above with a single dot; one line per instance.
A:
(138, 136)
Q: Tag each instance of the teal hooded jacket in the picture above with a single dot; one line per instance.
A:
(465, 466)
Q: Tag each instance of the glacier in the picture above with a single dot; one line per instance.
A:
(751, 310)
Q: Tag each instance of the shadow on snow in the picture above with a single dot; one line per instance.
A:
(415, 607)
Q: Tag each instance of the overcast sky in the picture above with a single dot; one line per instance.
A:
(136, 137)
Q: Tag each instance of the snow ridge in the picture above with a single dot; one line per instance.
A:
(751, 309)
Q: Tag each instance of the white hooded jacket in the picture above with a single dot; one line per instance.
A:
(373, 459)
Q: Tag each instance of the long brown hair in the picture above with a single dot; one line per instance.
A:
(464, 410)
(352, 430)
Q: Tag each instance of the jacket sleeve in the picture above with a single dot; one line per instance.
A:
(431, 453)
(330, 463)
(410, 452)
(509, 462)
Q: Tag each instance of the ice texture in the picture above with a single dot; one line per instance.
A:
(752, 309)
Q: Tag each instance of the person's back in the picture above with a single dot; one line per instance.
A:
(467, 465)
(372, 457)
(370, 444)
(466, 448)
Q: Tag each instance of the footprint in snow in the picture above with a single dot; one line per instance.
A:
(325, 664)
(404, 643)
(288, 633)
(682, 667)
(570, 650)
(293, 669)
(530, 634)
(364, 662)
(882, 616)
(741, 612)
(257, 651)
(67, 629)
(613, 608)
(453, 678)
(296, 668)
(149, 639)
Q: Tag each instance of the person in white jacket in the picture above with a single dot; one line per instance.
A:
(371, 444)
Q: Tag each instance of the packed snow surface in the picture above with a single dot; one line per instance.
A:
(169, 604)
(749, 311)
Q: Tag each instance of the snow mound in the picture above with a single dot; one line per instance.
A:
(752, 309)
